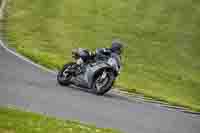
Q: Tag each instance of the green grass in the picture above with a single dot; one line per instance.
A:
(15, 121)
(163, 37)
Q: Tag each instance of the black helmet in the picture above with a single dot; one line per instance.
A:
(117, 47)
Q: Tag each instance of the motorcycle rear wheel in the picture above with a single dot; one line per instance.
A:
(64, 77)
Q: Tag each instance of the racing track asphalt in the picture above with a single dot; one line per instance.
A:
(25, 86)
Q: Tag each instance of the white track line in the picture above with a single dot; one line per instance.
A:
(24, 58)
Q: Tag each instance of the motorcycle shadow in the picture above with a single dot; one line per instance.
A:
(110, 95)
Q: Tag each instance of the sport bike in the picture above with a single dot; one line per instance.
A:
(96, 72)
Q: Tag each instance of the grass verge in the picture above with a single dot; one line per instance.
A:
(15, 121)
(162, 58)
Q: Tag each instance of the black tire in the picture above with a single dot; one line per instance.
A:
(104, 89)
(61, 80)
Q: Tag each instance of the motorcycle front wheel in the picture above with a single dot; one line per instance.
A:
(64, 76)
(103, 82)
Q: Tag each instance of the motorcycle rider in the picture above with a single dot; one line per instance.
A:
(113, 54)
(116, 47)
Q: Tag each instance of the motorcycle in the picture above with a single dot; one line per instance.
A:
(94, 72)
